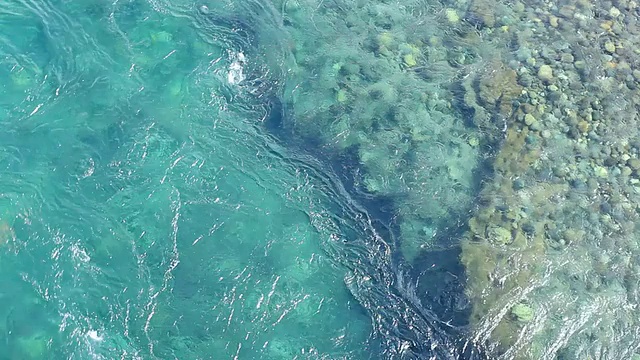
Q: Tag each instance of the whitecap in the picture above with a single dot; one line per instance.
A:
(236, 74)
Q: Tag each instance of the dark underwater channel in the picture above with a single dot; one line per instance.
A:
(430, 311)
(433, 284)
(435, 281)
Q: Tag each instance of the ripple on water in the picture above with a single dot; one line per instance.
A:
(156, 219)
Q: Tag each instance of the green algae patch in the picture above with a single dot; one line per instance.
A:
(452, 15)
(386, 40)
(522, 312)
(410, 60)
(341, 96)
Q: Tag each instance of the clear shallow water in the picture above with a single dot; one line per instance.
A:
(145, 213)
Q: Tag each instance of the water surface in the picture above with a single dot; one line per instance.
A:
(145, 212)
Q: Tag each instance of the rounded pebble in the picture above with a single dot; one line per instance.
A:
(545, 73)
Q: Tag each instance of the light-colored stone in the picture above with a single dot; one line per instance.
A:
(584, 126)
(614, 12)
(529, 119)
(452, 15)
(600, 171)
(610, 47)
(522, 312)
(634, 164)
(545, 73)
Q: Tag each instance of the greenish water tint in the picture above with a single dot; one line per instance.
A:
(145, 213)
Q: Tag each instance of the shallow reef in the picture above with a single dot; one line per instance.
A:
(379, 82)
(515, 124)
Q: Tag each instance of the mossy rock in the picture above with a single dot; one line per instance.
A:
(22, 79)
(515, 157)
(161, 37)
(341, 96)
(499, 235)
(386, 40)
(522, 312)
(410, 60)
(498, 88)
(482, 13)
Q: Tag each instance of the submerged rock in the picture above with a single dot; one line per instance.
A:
(545, 73)
(522, 312)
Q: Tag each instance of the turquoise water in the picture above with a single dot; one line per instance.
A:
(319, 179)
(146, 213)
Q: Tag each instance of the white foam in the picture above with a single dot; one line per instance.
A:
(236, 74)
(93, 335)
